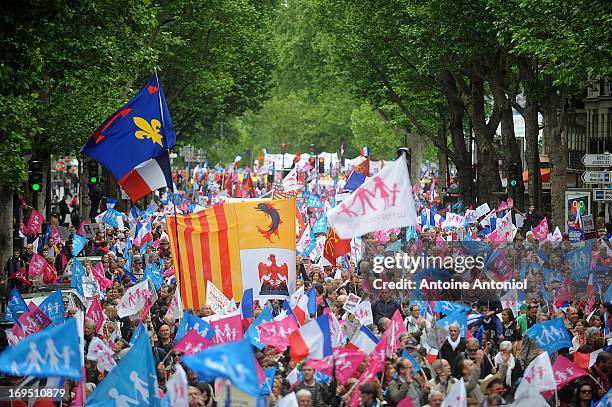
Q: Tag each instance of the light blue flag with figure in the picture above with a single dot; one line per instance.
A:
(448, 307)
(252, 334)
(76, 280)
(415, 364)
(605, 401)
(579, 261)
(138, 332)
(53, 351)
(267, 384)
(133, 382)
(190, 322)
(320, 226)
(550, 335)
(15, 305)
(315, 202)
(152, 272)
(53, 306)
(234, 361)
(457, 317)
(78, 243)
(110, 217)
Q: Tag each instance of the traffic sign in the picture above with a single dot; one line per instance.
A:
(60, 166)
(602, 194)
(597, 177)
(597, 160)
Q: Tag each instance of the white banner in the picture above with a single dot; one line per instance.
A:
(383, 202)
(215, 298)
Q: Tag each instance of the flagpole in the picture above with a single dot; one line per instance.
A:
(176, 238)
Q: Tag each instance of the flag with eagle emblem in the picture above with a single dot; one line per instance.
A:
(237, 246)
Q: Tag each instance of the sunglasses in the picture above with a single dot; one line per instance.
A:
(586, 391)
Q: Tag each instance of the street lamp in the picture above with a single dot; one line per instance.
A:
(283, 149)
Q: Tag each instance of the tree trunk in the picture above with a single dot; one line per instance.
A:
(532, 130)
(553, 127)
(510, 149)
(489, 180)
(6, 223)
(462, 160)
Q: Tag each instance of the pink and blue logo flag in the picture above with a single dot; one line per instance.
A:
(550, 335)
(15, 305)
(50, 352)
(252, 334)
(132, 382)
(53, 306)
(234, 361)
(190, 322)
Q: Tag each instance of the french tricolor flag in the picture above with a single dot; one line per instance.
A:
(313, 340)
(147, 177)
(303, 305)
(364, 339)
(143, 233)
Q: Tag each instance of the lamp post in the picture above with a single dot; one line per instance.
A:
(283, 149)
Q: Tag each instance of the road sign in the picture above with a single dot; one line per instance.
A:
(602, 194)
(60, 166)
(597, 177)
(597, 160)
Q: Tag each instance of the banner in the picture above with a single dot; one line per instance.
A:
(236, 245)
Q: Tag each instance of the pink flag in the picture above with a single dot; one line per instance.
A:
(169, 272)
(393, 332)
(510, 203)
(55, 234)
(541, 231)
(565, 371)
(192, 343)
(228, 329)
(503, 206)
(564, 294)
(441, 243)
(406, 402)
(347, 362)
(35, 320)
(38, 265)
(276, 333)
(34, 222)
(98, 273)
(81, 230)
(94, 313)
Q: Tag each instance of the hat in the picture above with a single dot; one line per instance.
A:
(486, 382)
(524, 306)
(412, 343)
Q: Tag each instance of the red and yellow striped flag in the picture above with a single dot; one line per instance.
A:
(236, 245)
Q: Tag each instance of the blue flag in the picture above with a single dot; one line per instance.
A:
(580, 261)
(267, 384)
(415, 364)
(53, 306)
(139, 131)
(252, 334)
(53, 351)
(606, 400)
(132, 382)
(76, 280)
(448, 307)
(143, 248)
(138, 332)
(152, 272)
(246, 305)
(607, 296)
(457, 317)
(234, 361)
(312, 301)
(78, 243)
(15, 305)
(550, 335)
(354, 181)
(190, 322)
(320, 226)
(110, 217)
(315, 202)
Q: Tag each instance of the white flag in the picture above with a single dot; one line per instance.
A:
(177, 387)
(290, 182)
(363, 312)
(456, 397)
(538, 377)
(382, 202)
(531, 399)
(135, 298)
(557, 236)
(175, 309)
(101, 353)
(290, 400)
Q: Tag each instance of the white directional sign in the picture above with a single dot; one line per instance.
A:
(602, 194)
(597, 177)
(597, 160)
